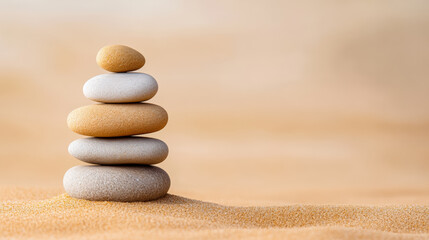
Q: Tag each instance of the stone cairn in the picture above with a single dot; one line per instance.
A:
(123, 170)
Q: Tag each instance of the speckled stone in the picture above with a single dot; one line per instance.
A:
(120, 87)
(116, 120)
(116, 183)
(119, 58)
(121, 150)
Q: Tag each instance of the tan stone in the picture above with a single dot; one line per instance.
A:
(115, 120)
(119, 58)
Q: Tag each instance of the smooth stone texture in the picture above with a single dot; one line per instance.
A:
(119, 58)
(116, 183)
(122, 150)
(116, 120)
(120, 87)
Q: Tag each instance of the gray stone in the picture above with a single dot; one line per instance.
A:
(116, 183)
(120, 150)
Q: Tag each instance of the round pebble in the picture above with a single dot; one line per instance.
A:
(116, 120)
(120, 87)
(119, 58)
(116, 183)
(122, 150)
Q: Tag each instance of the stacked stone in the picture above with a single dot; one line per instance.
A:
(123, 170)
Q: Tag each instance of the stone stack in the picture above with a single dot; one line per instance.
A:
(122, 170)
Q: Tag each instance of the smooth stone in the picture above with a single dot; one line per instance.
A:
(116, 120)
(119, 58)
(116, 183)
(120, 87)
(122, 150)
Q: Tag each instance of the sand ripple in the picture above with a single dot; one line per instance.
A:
(179, 217)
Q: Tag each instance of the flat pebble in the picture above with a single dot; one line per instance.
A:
(121, 150)
(116, 183)
(120, 87)
(119, 58)
(116, 120)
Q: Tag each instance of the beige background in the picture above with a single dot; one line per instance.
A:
(268, 100)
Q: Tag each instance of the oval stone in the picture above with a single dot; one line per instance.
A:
(122, 150)
(116, 120)
(119, 58)
(120, 87)
(116, 183)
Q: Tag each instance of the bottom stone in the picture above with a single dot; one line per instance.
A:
(116, 183)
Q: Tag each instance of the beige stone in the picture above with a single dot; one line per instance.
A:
(119, 58)
(116, 183)
(115, 120)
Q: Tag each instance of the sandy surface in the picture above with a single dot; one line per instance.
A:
(305, 119)
(42, 214)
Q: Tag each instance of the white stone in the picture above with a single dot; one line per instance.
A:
(116, 183)
(120, 150)
(120, 87)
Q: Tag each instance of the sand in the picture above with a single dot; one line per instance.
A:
(42, 214)
(317, 106)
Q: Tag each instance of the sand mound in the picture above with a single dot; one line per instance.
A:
(178, 217)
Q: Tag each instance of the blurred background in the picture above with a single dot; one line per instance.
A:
(266, 99)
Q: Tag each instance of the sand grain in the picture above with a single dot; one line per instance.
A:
(175, 217)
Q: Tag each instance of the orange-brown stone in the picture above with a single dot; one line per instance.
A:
(114, 120)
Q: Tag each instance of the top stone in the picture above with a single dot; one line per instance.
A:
(119, 58)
